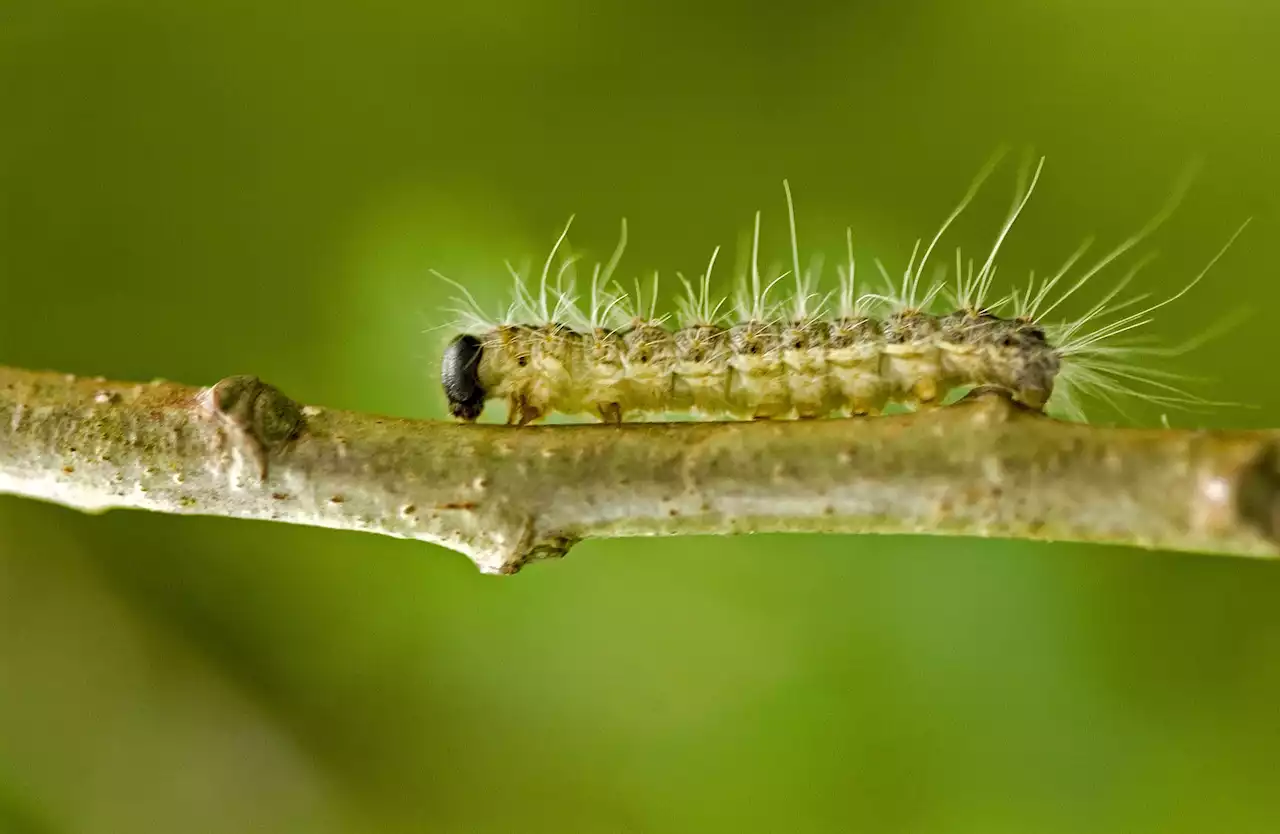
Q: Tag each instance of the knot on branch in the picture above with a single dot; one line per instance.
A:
(256, 420)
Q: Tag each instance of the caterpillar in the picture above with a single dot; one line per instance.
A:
(846, 353)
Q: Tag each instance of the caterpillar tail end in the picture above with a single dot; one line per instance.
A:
(1258, 493)
(460, 377)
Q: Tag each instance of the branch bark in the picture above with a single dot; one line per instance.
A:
(504, 496)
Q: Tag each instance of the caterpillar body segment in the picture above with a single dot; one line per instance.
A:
(754, 370)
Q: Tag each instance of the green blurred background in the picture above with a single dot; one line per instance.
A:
(195, 189)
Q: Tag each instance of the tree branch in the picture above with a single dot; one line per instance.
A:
(503, 495)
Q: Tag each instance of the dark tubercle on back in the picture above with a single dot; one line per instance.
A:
(460, 376)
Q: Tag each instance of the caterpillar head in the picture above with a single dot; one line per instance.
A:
(460, 376)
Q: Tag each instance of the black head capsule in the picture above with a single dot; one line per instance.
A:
(460, 376)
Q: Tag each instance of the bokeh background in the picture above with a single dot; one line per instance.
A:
(194, 189)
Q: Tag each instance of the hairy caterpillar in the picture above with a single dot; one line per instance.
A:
(845, 353)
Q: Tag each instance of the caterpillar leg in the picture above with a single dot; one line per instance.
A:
(980, 391)
(521, 412)
(925, 392)
(1034, 398)
(610, 413)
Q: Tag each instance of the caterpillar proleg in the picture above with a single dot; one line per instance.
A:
(849, 351)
